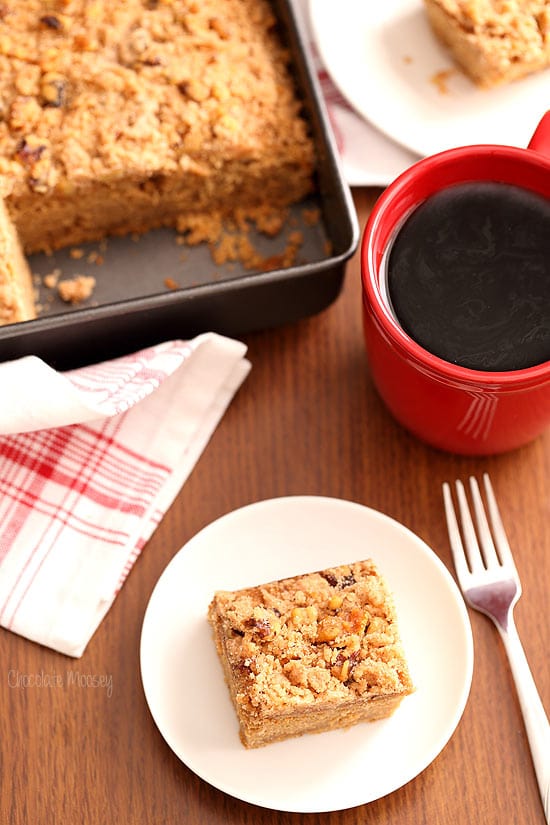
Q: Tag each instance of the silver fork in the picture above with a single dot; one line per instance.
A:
(490, 583)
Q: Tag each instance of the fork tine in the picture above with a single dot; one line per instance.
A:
(473, 552)
(457, 548)
(501, 539)
(487, 545)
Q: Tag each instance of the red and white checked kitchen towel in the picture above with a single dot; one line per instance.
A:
(90, 460)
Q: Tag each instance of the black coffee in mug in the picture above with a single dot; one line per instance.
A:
(468, 276)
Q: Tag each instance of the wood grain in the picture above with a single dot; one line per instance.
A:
(306, 421)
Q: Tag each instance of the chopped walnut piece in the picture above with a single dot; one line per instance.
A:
(51, 21)
(34, 153)
(330, 628)
(30, 149)
(53, 89)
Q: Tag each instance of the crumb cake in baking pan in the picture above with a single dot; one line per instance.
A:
(494, 41)
(310, 653)
(120, 117)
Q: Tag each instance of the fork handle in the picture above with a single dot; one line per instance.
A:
(534, 716)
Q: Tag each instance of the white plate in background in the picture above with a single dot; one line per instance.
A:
(384, 58)
(368, 157)
(268, 540)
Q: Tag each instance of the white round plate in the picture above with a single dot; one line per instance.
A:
(384, 58)
(183, 679)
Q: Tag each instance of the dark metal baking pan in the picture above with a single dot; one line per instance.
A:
(132, 307)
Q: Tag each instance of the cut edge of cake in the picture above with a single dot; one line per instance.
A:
(17, 295)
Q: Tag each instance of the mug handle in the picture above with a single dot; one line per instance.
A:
(540, 141)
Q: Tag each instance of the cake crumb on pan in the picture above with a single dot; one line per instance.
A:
(77, 289)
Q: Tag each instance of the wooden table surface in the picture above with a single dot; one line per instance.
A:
(306, 421)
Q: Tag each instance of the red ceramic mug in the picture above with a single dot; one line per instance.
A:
(451, 407)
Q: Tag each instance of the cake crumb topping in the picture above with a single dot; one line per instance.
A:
(331, 634)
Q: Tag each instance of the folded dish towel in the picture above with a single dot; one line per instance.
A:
(90, 460)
